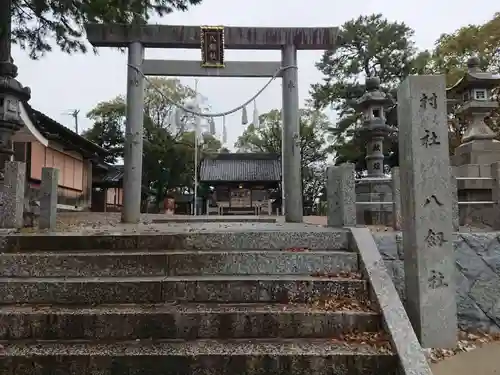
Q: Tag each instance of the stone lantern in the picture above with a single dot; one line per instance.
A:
(473, 101)
(12, 93)
(373, 104)
(474, 93)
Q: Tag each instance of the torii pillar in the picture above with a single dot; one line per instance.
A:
(137, 37)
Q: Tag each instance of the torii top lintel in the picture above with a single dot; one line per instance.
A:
(235, 37)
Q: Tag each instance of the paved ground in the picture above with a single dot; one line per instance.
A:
(74, 221)
(481, 361)
(110, 221)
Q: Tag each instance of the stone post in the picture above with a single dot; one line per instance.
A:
(48, 198)
(427, 210)
(495, 193)
(12, 196)
(396, 199)
(88, 164)
(455, 209)
(341, 196)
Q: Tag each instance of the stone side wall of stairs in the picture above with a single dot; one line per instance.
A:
(477, 277)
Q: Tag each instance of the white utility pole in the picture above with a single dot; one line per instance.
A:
(74, 113)
(197, 121)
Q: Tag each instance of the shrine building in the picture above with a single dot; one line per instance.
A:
(242, 183)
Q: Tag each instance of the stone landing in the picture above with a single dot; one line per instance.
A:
(216, 219)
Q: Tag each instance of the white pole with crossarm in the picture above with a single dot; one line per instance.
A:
(196, 132)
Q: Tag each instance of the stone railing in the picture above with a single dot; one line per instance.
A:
(377, 200)
(476, 254)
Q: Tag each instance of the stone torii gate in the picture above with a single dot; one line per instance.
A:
(136, 37)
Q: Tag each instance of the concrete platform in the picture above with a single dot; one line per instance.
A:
(214, 219)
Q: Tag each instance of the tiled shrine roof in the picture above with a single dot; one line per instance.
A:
(241, 167)
(113, 175)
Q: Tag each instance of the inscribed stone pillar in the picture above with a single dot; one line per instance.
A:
(12, 196)
(48, 198)
(427, 210)
(341, 196)
(396, 198)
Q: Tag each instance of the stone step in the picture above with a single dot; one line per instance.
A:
(190, 239)
(203, 357)
(163, 263)
(165, 251)
(186, 321)
(158, 289)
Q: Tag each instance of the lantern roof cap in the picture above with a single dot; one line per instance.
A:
(373, 95)
(474, 77)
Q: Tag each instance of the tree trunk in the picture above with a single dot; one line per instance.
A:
(5, 29)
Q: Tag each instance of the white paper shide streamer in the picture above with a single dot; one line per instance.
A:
(224, 130)
(244, 116)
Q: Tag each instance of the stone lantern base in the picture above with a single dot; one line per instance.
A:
(12, 174)
(473, 160)
(480, 151)
(374, 191)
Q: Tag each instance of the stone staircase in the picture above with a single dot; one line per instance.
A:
(222, 302)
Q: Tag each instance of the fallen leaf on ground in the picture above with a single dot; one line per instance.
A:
(467, 341)
(296, 249)
(342, 304)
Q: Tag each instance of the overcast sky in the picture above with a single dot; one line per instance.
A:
(60, 83)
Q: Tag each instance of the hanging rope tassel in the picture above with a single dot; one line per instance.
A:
(244, 117)
(256, 120)
(224, 130)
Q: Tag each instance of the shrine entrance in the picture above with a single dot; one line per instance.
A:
(212, 40)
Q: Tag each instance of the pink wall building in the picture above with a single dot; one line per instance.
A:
(43, 142)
